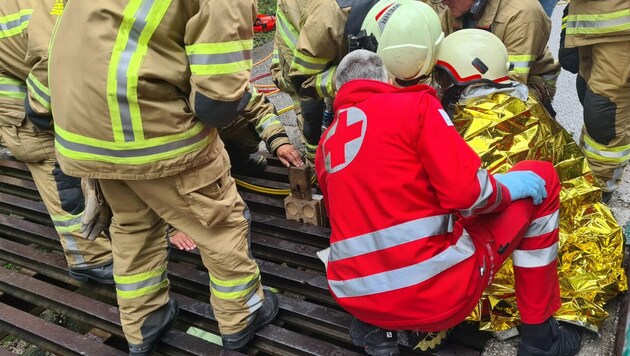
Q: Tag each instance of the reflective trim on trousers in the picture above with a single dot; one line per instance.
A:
(535, 258)
(543, 225)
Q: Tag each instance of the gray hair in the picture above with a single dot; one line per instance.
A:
(360, 64)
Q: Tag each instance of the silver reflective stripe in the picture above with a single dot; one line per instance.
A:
(130, 287)
(543, 225)
(325, 78)
(220, 58)
(266, 122)
(254, 302)
(406, 276)
(577, 24)
(140, 152)
(535, 258)
(71, 248)
(392, 236)
(522, 64)
(236, 288)
(607, 154)
(12, 88)
(32, 86)
(123, 66)
(486, 190)
(309, 65)
(15, 23)
(287, 30)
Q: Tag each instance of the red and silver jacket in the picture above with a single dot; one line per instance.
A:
(396, 176)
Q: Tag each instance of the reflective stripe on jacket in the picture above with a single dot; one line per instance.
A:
(591, 22)
(130, 84)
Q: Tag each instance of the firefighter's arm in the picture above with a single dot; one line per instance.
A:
(261, 112)
(318, 46)
(38, 104)
(453, 168)
(526, 41)
(219, 44)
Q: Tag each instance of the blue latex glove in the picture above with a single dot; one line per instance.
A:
(523, 184)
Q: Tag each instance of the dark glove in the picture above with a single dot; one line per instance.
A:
(569, 58)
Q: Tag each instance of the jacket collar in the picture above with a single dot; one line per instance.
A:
(356, 91)
(486, 19)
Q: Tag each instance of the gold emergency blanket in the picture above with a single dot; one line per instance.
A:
(504, 130)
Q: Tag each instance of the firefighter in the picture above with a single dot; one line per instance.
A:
(434, 241)
(139, 92)
(259, 121)
(524, 29)
(312, 37)
(26, 130)
(601, 32)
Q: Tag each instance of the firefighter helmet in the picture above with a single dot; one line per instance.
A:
(408, 33)
(474, 56)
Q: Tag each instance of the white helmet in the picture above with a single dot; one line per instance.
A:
(474, 56)
(408, 33)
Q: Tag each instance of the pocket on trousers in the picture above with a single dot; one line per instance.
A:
(206, 191)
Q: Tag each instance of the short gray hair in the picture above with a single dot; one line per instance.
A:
(360, 64)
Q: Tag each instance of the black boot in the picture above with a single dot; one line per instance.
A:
(263, 316)
(154, 326)
(606, 196)
(549, 339)
(374, 340)
(102, 274)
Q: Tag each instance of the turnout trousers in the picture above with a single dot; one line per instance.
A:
(529, 234)
(202, 203)
(604, 90)
(61, 194)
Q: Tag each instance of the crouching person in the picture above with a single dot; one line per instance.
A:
(433, 239)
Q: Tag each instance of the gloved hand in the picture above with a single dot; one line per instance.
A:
(97, 214)
(523, 184)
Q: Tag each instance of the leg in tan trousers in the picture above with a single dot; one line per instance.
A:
(204, 204)
(605, 95)
(61, 194)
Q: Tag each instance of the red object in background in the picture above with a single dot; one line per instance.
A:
(264, 23)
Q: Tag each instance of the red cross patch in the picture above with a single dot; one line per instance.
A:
(344, 139)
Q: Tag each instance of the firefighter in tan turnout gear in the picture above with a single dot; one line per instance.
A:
(312, 38)
(139, 92)
(523, 27)
(601, 32)
(26, 129)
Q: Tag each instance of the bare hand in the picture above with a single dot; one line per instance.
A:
(288, 155)
(183, 242)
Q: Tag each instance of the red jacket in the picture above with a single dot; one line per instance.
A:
(396, 175)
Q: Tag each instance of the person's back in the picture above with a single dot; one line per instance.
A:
(111, 123)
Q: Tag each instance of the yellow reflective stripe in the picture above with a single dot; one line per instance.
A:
(307, 64)
(39, 91)
(11, 81)
(14, 24)
(12, 88)
(521, 63)
(220, 58)
(601, 153)
(12, 94)
(140, 284)
(141, 152)
(67, 223)
(598, 23)
(287, 32)
(275, 59)
(268, 120)
(234, 288)
(324, 82)
(140, 20)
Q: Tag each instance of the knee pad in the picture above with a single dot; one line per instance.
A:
(599, 117)
(69, 190)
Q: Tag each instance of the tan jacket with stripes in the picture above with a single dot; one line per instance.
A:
(139, 87)
(310, 42)
(25, 27)
(590, 22)
(524, 28)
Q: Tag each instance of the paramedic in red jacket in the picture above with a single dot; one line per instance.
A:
(418, 227)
